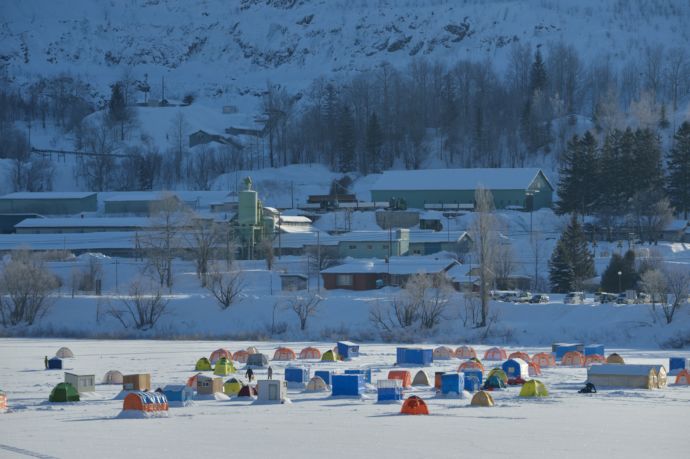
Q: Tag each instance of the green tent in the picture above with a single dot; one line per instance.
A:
(329, 356)
(203, 365)
(64, 392)
(534, 388)
(224, 367)
(494, 382)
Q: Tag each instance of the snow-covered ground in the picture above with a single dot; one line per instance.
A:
(612, 423)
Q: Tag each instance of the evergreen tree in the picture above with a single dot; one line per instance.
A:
(571, 262)
(117, 109)
(346, 140)
(664, 123)
(626, 266)
(561, 273)
(537, 75)
(374, 142)
(647, 174)
(678, 164)
(610, 201)
(577, 186)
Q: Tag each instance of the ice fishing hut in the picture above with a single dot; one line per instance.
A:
(594, 349)
(347, 385)
(389, 390)
(560, 349)
(178, 393)
(325, 375)
(414, 356)
(516, 368)
(348, 350)
(297, 375)
(83, 383)
(55, 363)
(452, 384)
(366, 373)
(473, 379)
(272, 390)
(677, 364)
(257, 360)
(140, 382)
(206, 385)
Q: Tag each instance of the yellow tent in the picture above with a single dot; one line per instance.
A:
(203, 364)
(615, 358)
(329, 356)
(224, 367)
(316, 384)
(232, 386)
(534, 388)
(498, 372)
(482, 398)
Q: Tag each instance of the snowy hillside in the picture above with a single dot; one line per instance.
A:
(223, 50)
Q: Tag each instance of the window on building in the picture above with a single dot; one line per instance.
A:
(352, 247)
(369, 246)
(343, 280)
(384, 246)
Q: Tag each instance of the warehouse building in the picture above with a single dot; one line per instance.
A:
(49, 203)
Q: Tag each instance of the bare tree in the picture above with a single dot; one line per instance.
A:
(100, 139)
(483, 232)
(141, 308)
(653, 282)
(225, 286)
(504, 265)
(25, 288)
(202, 239)
(89, 278)
(266, 248)
(652, 212)
(678, 285)
(305, 306)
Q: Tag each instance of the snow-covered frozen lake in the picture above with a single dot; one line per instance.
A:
(621, 423)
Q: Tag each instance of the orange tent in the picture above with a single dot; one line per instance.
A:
(240, 356)
(520, 355)
(145, 401)
(465, 352)
(310, 353)
(594, 358)
(191, 382)
(218, 354)
(683, 377)
(414, 405)
(471, 364)
(573, 359)
(544, 359)
(495, 353)
(284, 353)
(534, 369)
(402, 375)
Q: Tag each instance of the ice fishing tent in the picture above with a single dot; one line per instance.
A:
(421, 379)
(465, 352)
(247, 391)
(3, 400)
(544, 359)
(482, 398)
(347, 350)
(83, 383)
(272, 390)
(219, 354)
(347, 385)
(494, 382)
(495, 353)
(594, 349)
(112, 377)
(443, 353)
(148, 402)
(232, 386)
(178, 394)
(534, 369)
(560, 349)
(515, 368)
(471, 365)
(224, 367)
(498, 372)
(203, 364)
(520, 355)
(573, 359)
(683, 377)
(284, 354)
(252, 350)
(325, 375)
(64, 353)
(206, 385)
(533, 388)
(473, 379)
(389, 390)
(55, 363)
(298, 375)
(594, 358)
(615, 359)
(414, 405)
(628, 376)
(452, 384)
(661, 376)
(240, 356)
(310, 353)
(414, 356)
(140, 382)
(403, 375)
(191, 382)
(257, 360)
(366, 373)
(329, 356)
(316, 384)
(677, 364)
(64, 392)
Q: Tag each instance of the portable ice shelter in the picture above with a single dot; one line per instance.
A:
(347, 385)
(471, 364)
(316, 384)
(628, 376)
(594, 349)
(403, 375)
(191, 382)
(452, 384)
(112, 377)
(232, 386)
(148, 402)
(495, 353)
(560, 349)
(140, 382)
(498, 372)
(3, 400)
(329, 356)
(64, 392)
(218, 354)
(494, 382)
(206, 385)
(389, 390)
(473, 379)
(534, 369)
(414, 405)
(414, 356)
(55, 363)
(240, 356)
(421, 379)
(465, 352)
(296, 375)
(325, 375)
(677, 364)
(544, 359)
(347, 350)
(482, 398)
(615, 359)
(178, 393)
(443, 353)
(257, 360)
(64, 353)
(272, 390)
(683, 377)
(533, 388)
(594, 358)
(360, 371)
(310, 353)
(284, 353)
(247, 391)
(203, 364)
(83, 383)
(515, 368)
(224, 367)
(252, 350)
(661, 376)
(573, 359)
(520, 355)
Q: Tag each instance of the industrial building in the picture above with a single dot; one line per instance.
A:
(49, 203)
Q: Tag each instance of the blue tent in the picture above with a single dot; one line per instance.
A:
(594, 349)
(560, 349)
(452, 383)
(414, 356)
(178, 393)
(515, 368)
(325, 375)
(677, 364)
(296, 375)
(366, 373)
(389, 390)
(348, 350)
(347, 385)
(473, 379)
(55, 363)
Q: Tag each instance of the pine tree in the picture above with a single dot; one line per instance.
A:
(374, 142)
(561, 273)
(678, 164)
(577, 186)
(346, 140)
(664, 123)
(117, 109)
(538, 79)
(610, 281)
(646, 170)
(571, 262)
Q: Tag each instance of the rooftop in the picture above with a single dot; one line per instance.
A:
(396, 265)
(90, 222)
(49, 195)
(454, 179)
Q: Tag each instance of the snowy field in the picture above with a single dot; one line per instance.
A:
(619, 423)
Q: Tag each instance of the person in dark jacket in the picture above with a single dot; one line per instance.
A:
(270, 373)
(249, 374)
(45, 361)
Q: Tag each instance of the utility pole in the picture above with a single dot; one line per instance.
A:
(318, 266)
(116, 275)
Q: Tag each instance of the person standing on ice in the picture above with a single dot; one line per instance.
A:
(270, 373)
(45, 361)
(249, 374)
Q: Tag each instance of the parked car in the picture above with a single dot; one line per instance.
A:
(539, 298)
(574, 298)
(605, 297)
(644, 298)
(627, 297)
(510, 296)
(524, 297)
